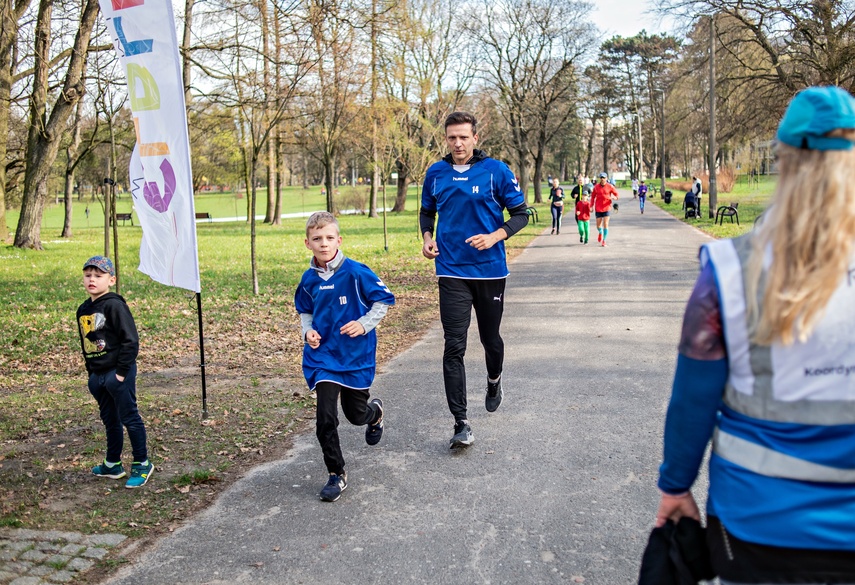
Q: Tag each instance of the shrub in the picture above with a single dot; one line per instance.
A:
(353, 200)
(725, 179)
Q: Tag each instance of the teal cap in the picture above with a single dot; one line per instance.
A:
(813, 113)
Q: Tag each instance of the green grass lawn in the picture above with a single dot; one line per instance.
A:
(50, 434)
(752, 198)
(219, 205)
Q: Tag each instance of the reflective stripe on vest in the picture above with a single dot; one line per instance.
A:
(765, 461)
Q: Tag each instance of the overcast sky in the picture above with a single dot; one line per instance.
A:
(626, 18)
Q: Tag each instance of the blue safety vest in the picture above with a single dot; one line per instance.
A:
(782, 471)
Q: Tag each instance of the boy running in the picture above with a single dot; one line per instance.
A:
(583, 216)
(340, 302)
(642, 195)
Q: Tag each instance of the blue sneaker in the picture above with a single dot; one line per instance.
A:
(140, 474)
(109, 471)
(336, 484)
(374, 431)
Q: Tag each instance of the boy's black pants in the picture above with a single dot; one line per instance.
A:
(457, 297)
(354, 404)
(117, 405)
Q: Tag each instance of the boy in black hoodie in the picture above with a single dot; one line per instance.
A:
(108, 337)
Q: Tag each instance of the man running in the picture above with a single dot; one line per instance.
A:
(469, 191)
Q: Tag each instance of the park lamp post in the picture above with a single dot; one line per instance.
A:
(713, 191)
(640, 151)
(662, 143)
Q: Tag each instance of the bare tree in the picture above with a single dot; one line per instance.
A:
(12, 12)
(335, 86)
(802, 43)
(43, 141)
(425, 75)
(232, 56)
(533, 51)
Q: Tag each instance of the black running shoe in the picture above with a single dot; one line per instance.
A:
(336, 484)
(494, 395)
(374, 431)
(462, 435)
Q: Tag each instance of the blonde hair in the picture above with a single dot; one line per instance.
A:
(320, 219)
(809, 230)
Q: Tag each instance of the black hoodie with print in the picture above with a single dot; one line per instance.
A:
(108, 334)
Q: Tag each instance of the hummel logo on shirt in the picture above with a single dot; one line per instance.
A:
(327, 287)
(459, 178)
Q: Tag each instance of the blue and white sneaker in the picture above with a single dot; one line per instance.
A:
(335, 485)
(140, 474)
(374, 431)
(109, 471)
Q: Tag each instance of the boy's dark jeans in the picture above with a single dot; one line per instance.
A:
(117, 403)
(354, 404)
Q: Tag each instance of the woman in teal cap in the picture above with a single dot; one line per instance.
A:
(766, 370)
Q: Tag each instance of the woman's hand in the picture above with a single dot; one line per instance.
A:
(675, 507)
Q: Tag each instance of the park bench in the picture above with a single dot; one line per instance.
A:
(125, 217)
(204, 215)
(730, 211)
(532, 213)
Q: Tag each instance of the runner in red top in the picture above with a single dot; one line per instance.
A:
(604, 194)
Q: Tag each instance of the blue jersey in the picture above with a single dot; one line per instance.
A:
(345, 297)
(470, 200)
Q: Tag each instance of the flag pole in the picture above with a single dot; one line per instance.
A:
(202, 357)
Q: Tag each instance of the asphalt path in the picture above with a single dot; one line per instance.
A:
(559, 486)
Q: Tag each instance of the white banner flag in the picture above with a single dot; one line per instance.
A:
(161, 179)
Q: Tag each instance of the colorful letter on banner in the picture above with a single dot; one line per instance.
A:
(161, 180)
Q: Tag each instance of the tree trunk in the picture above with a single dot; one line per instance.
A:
(28, 234)
(68, 200)
(606, 138)
(538, 177)
(249, 181)
(375, 156)
(403, 184)
(522, 171)
(185, 50)
(253, 257)
(592, 137)
(70, 164)
(270, 104)
(329, 172)
(8, 36)
(270, 212)
(43, 140)
(280, 178)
